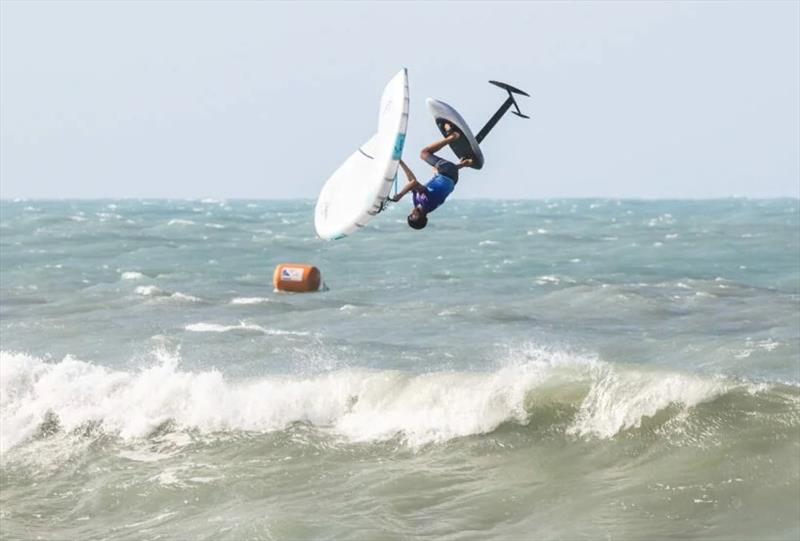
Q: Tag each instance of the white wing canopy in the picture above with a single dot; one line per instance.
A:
(357, 189)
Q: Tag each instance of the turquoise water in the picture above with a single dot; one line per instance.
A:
(520, 369)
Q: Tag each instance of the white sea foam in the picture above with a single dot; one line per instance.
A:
(178, 296)
(360, 405)
(250, 300)
(179, 221)
(767, 345)
(159, 294)
(131, 275)
(150, 291)
(242, 326)
(548, 280)
(620, 399)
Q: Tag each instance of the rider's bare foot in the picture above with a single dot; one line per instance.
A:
(449, 132)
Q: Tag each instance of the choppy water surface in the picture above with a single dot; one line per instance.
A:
(520, 369)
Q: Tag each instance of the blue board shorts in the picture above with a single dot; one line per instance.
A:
(444, 167)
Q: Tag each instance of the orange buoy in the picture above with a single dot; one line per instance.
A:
(296, 277)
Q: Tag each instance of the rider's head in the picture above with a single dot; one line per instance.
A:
(417, 219)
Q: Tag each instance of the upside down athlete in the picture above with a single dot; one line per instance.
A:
(428, 197)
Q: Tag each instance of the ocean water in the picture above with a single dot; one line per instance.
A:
(564, 369)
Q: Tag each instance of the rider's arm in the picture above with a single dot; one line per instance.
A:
(410, 184)
(408, 172)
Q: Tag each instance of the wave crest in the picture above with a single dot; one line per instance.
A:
(357, 404)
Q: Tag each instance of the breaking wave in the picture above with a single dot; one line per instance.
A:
(602, 400)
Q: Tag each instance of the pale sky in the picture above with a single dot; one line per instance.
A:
(265, 99)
